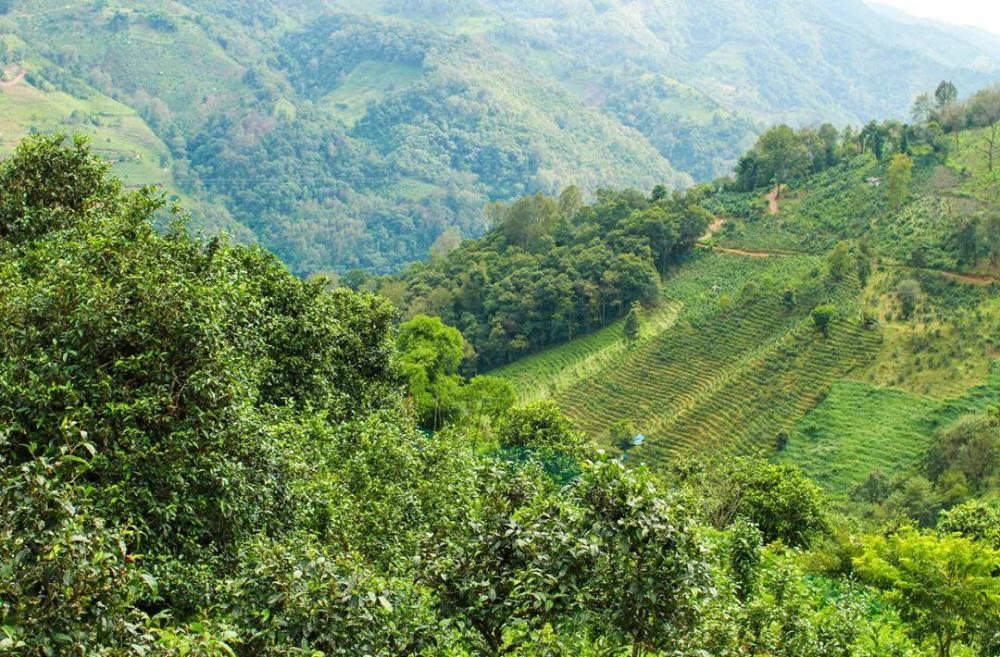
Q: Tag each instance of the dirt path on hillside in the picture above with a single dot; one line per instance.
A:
(971, 279)
(958, 277)
(740, 252)
(772, 200)
(17, 78)
(714, 228)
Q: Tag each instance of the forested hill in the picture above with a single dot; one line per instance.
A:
(203, 455)
(348, 133)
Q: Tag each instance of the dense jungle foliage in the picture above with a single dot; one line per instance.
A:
(549, 269)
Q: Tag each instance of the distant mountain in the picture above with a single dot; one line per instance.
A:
(353, 133)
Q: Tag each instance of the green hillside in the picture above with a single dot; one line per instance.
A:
(30, 103)
(205, 455)
(840, 204)
(858, 429)
(343, 134)
(740, 366)
(558, 368)
(726, 377)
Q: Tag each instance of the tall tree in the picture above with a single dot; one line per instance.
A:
(430, 353)
(945, 94)
(922, 109)
(873, 137)
(908, 292)
(984, 109)
(782, 156)
(633, 322)
(966, 238)
(839, 261)
(570, 200)
(990, 228)
(943, 587)
(899, 176)
(528, 220)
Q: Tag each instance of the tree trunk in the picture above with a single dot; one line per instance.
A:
(944, 645)
(993, 139)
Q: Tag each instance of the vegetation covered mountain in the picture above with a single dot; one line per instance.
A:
(204, 455)
(846, 322)
(343, 134)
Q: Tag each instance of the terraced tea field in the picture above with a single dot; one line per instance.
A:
(737, 365)
(694, 290)
(859, 428)
(554, 370)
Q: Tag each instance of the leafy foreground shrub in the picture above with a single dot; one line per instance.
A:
(146, 386)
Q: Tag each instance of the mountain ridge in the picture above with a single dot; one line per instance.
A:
(505, 100)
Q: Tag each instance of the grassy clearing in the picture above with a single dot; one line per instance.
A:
(116, 131)
(858, 429)
(370, 82)
(929, 370)
(158, 62)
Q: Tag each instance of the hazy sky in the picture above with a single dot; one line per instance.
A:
(980, 13)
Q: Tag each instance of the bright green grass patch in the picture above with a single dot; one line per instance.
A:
(969, 160)
(858, 429)
(414, 190)
(368, 83)
(187, 69)
(117, 133)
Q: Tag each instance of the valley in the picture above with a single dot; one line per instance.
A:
(345, 135)
(484, 328)
(737, 366)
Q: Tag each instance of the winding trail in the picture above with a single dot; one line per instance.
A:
(717, 225)
(15, 80)
(740, 252)
(772, 200)
(971, 279)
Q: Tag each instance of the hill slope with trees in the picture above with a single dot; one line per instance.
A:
(841, 316)
(202, 454)
(343, 134)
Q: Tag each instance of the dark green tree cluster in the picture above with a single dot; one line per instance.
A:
(328, 48)
(551, 269)
(783, 155)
